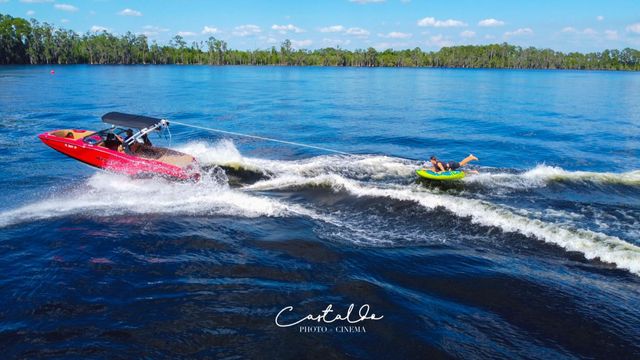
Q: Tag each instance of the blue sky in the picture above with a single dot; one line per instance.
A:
(566, 25)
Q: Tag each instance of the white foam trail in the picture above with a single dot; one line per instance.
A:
(592, 245)
(357, 166)
(225, 153)
(222, 152)
(542, 175)
(108, 194)
(379, 167)
(558, 173)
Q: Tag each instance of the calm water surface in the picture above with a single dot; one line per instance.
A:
(536, 257)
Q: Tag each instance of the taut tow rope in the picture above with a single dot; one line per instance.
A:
(261, 138)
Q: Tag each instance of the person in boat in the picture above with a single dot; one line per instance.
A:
(135, 146)
(146, 140)
(440, 166)
(139, 144)
(113, 142)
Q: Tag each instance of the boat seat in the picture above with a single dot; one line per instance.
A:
(165, 155)
(180, 160)
(72, 133)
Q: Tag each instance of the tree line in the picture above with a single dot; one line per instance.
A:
(31, 42)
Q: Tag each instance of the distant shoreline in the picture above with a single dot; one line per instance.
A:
(33, 43)
(322, 66)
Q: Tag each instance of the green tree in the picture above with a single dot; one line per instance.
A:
(178, 41)
(285, 52)
(24, 42)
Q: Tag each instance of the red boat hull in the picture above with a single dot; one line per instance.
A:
(115, 161)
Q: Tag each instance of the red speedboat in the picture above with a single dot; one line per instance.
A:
(121, 149)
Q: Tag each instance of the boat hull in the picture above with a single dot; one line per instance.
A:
(115, 161)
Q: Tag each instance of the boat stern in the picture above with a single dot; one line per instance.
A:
(63, 136)
(65, 141)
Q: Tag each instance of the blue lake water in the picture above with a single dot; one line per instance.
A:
(537, 256)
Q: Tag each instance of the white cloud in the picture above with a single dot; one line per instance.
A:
(611, 34)
(31, 13)
(519, 32)
(591, 34)
(431, 21)
(130, 12)
(572, 30)
(599, 17)
(298, 44)
(35, 1)
(283, 29)
(336, 42)
(634, 28)
(490, 22)
(65, 7)
(186, 33)
(155, 28)
(389, 45)
(396, 35)
(356, 31)
(367, 1)
(210, 30)
(150, 30)
(468, 34)
(64, 21)
(332, 29)
(246, 30)
(439, 40)
(98, 28)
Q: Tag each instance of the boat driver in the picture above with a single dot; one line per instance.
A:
(113, 142)
(135, 146)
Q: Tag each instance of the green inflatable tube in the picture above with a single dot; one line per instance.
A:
(444, 175)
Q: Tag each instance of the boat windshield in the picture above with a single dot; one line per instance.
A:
(101, 136)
